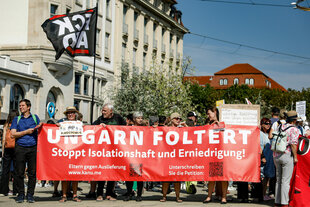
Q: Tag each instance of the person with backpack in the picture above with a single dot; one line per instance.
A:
(8, 150)
(24, 131)
(284, 145)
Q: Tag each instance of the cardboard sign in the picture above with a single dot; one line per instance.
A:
(240, 114)
(71, 128)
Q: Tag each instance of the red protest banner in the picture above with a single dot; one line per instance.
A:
(150, 154)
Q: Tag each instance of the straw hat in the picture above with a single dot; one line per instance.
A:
(175, 115)
(70, 109)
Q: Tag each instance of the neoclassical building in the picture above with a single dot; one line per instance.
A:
(137, 32)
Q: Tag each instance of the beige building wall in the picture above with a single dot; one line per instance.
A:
(25, 41)
(139, 44)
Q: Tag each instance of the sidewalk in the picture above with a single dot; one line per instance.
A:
(43, 197)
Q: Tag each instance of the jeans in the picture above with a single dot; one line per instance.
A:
(25, 155)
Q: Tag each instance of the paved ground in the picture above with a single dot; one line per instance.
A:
(43, 197)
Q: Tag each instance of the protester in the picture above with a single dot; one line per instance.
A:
(154, 121)
(138, 121)
(162, 121)
(24, 130)
(284, 162)
(221, 186)
(267, 168)
(175, 122)
(275, 112)
(8, 150)
(108, 117)
(192, 116)
(71, 115)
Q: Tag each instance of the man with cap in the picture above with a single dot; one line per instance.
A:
(284, 162)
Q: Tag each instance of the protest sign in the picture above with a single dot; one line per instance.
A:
(149, 154)
(240, 114)
(71, 128)
(301, 108)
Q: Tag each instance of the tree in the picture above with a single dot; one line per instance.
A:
(153, 92)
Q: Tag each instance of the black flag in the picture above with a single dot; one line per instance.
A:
(74, 32)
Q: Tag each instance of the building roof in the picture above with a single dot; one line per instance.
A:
(201, 80)
(240, 68)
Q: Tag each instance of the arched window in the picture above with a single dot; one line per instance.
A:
(236, 81)
(251, 81)
(247, 81)
(225, 81)
(221, 82)
(16, 95)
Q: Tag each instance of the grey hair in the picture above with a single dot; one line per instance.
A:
(137, 114)
(109, 106)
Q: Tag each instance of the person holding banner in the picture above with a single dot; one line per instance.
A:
(175, 121)
(24, 131)
(71, 115)
(108, 117)
(138, 121)
(221, 186)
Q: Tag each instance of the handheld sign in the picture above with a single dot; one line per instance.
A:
(240, 114)
(71, 128)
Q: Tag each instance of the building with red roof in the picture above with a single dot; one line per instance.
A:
(241, 73)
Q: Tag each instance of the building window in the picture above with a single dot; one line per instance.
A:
(225, 81)
(236, 81)
(76, 104)
(134, 56)
(53, 10)
(123, 51)
(124, 13)
(77, 83)
(144, 61)
(251, 81)
(247, 81)
(145, 24)
(107, 43)
(16, 95)
(86, 83)
(108, 9)
(221, 82)
(268, 83)
(68, 10)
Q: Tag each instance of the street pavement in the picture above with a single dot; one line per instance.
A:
(43, 197)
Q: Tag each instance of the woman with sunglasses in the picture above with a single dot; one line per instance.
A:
(267, 164)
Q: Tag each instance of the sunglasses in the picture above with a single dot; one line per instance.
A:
(267, 123)
(177, 118)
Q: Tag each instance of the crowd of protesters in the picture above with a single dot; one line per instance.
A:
(20, 140)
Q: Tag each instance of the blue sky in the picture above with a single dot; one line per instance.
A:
(281, 29)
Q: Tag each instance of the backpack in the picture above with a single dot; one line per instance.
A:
(33, 116)
(279, 139)
(9, 141)
(190, 188)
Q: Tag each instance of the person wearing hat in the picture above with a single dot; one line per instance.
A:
(71, 114)
(175, 121)
(284, 162)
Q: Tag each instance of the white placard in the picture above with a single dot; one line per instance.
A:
(240, 114)
(71, 128)
(301, 108)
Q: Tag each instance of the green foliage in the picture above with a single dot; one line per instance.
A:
(152, 92)
(206, 96)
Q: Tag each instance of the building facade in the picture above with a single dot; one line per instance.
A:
(237, 74)
(135, 32)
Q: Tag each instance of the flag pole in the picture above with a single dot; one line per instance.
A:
(94, 69)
